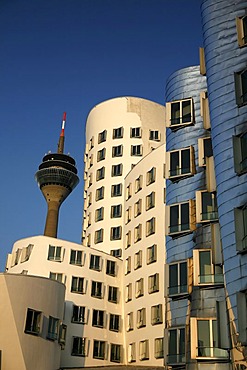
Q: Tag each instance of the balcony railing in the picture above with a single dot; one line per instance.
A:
(179, 228)
(211, 279)
(176, 290)
(177, 358)
(212, 352)
(209, 216)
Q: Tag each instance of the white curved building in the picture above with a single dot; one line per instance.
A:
(119, 132)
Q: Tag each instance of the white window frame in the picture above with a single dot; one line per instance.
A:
(55, 253)
(180, 172)
(156, 314)
(181, 228)
(136, 150)
(144, 350)
(141, 318)
(152, 254)
(117, 151)
(135, 132)
(182, 120)
(154, 135)
(76, 257)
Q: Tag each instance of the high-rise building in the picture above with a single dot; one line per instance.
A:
(160, 279)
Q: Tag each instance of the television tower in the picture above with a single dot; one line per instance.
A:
(56, 177)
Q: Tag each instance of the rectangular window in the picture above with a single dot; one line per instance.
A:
(128, 215)
(97, 289)
(150, 200)
(62, 335)
(116, 233)
(117, 151)
(152, 254)
(116, 211)
(75, 257)
(151, 176)
(79, 314)
(130, 322)
(176, 346)
(128, 265)
(101, 154)
(117, 133)
(240, 218)
(150, 226)
(205, 272)
(91, 144)
(138, 260)
(153, 283)
(116, 190)
(159, 347)
(56, 276)
(128, 192)
(129, 292)
(179, 113)
(102, 136)
(117, 170)
(240, 153)
(113, 294)
(178, 280)
(99, 193)
(99, 214)
(181, 218)
(138, 207)
(128, 239)
(138, 183)
(77, 285)
(111, 268)
(116, 252)
(114, 323)
(90, 165)
(206, 206)
(26, 253)
(139, 288)
(98, 236)
(141, 318)
(53, 326)
(132, 352)
(55, 253)
(242, 30)
(180, 163)
(98, 318)
(241, 87)
(208, 340)
(156, 314)
(99, 348)
(136, 150)
(95, 262)
(79, 347)
(100, 174)
(205, 150)
(89, 199)
(154, 135)
(33, 321)
(115, 355)
(135, 132)
(137, 233)
(242, 316)
(144, 350)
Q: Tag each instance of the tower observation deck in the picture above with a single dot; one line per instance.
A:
(56, 178)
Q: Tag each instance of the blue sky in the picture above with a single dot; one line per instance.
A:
(69, 55)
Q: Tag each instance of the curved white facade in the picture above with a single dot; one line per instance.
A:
(119, 132)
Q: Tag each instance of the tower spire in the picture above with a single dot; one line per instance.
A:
(60, 148)
(56, 177)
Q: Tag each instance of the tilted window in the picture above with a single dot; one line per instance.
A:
(116, 233)
(117, 151)
(181, 163)
(181, 218)
(101, 154)
(205, 150)
(205, 272)
(141, 318)
(116, 190)
(152, 254)
(135, 132)
(98, 237)
(240, 218)
(79, 346)
(180, 113)
(240, 153)
(99, 214)
(151, 174)
(53, 326)
(100, 174)
(102, 136)
(153, 283)
(242, 30)
(139, 288)
(241, 87)
(176, 346)
(159, 347)
(99, 193)
(118, 133)
(117, 170)
(33, 321)
(150, 200)
(178, 278)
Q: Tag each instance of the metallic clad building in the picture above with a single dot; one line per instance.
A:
(225, 45)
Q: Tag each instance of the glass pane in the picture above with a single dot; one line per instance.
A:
(208, 151)
(215, 343)
(186, 111)
(183, 277)
(174, 164)
(203, 337)
(182, 342)
(174, 218)
(243, 164)
(205, 267)
(245, 29)
(185, 161)
(175, 113)
(185, 216)
(244, 86)
(172, 342)
(173, 279)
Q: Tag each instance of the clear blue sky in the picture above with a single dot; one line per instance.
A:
(69, 55)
